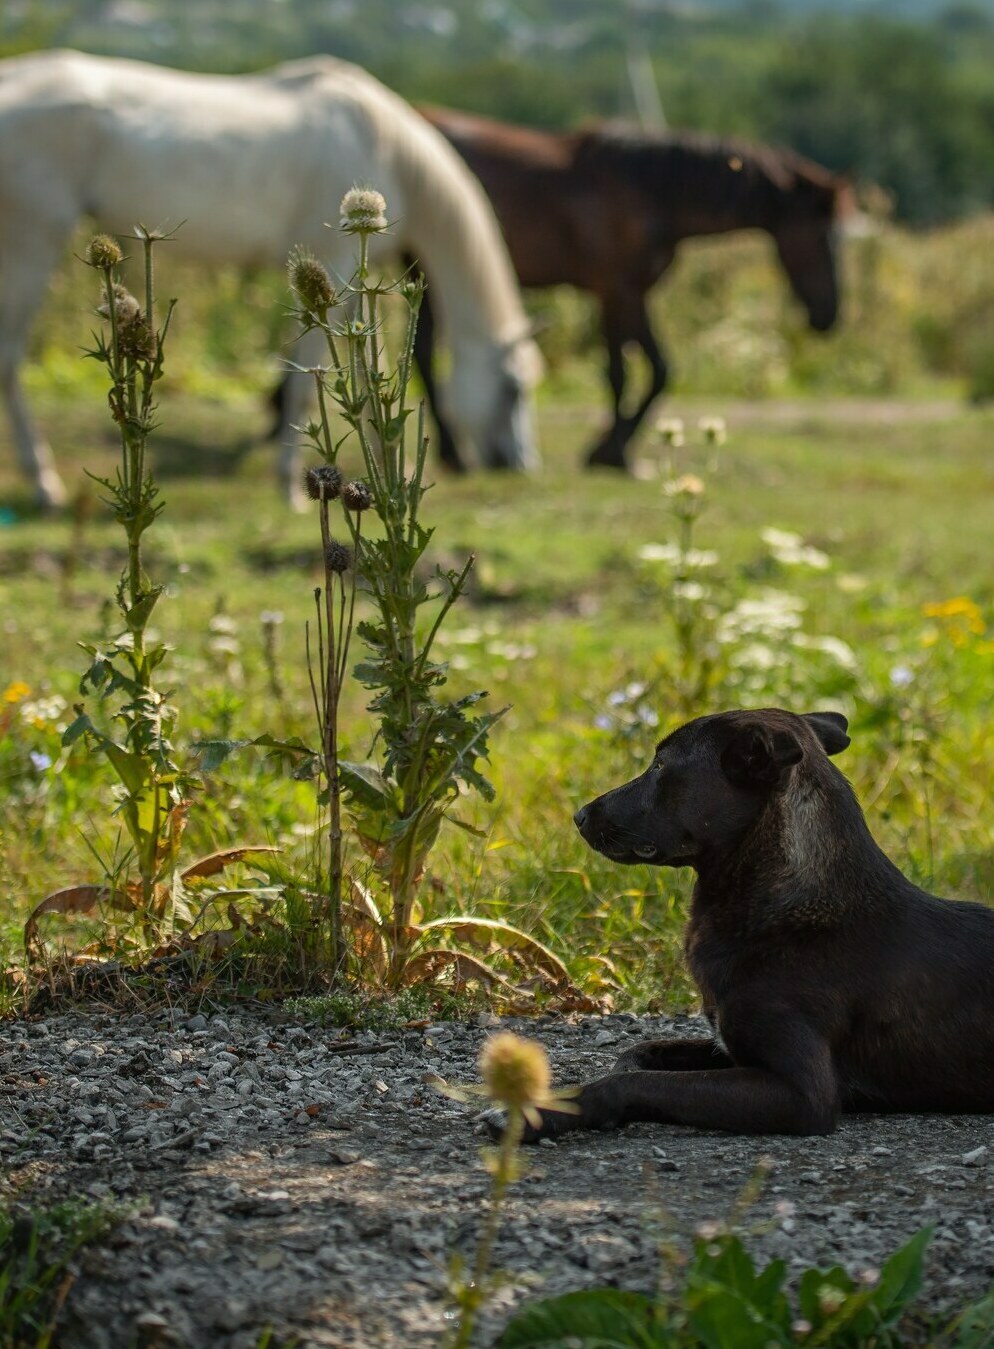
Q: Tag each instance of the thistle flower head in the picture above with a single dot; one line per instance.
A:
(310, 279)
(137, 339)
(323, 483)
(126, 307)
(363, 211)
(356, 496)
(515, 1071)
(337, 556)
(103, 252)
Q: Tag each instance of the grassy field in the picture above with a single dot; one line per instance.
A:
(578, 618)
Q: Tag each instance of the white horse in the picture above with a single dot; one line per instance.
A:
(253, 165)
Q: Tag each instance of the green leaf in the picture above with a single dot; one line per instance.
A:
(366, 786)
(975, 1328)
(598, 1318)
(901, 1278)
(292, 745)
(76, 728)
(213, 753)
(132, 769)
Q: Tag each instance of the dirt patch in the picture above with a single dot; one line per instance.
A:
(285, 1177)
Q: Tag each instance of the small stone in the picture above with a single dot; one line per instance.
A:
(547, 1143)
(976, 1157)
(667, 1165)
(881, 1151)
(197, 1022)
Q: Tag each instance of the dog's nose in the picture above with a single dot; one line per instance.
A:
(579, 819)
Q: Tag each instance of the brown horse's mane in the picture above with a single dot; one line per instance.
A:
(712, 168)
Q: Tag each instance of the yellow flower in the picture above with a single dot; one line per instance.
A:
(514, 1070)
(15, 692)
(964, 613)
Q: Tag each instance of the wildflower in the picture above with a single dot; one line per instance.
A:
(356, 496)
(830, 1299)
(603, 722)
(671, 430)
(15, 692)
(869, 1277)
(901, 676)
(713, 430)
(323, 483)
(961, 615)
(126, 307)
(790, 549)
(337, 557)
(800, 1327)
(516, 1073)
(40, 761)
(271, 618)
(709, 1230)
(363, 211)
(785, 1208)
(136, 338)
(688, 485)
(310, 279)
(103, 252)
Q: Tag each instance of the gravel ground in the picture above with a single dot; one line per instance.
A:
(285, 1177)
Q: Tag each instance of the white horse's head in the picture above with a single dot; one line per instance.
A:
(488, 400)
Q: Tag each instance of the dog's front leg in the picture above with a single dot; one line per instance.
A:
(673, 1056)
(781, 1081)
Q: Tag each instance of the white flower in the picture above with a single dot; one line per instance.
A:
(835, 647)
(713, 430)
(659, 552)
(363, 210)
(771, 613)
(671, 430)
(901, 676)
(791, 551)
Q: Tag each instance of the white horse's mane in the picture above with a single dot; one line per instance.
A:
(449, 222)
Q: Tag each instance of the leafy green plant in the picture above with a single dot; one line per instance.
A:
(37, 1247)
(726, 1303)
(431, 749)
(155, 790)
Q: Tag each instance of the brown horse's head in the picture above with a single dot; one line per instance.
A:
(805, 238)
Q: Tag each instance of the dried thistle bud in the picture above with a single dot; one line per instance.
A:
(363, 211)
(137, 339)
(337, 556)
(515, 1071)
(310, 279)
(103, 252)
(126, 307)
(356, 496)
(323, 483)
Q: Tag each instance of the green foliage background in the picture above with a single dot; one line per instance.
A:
(899, 95)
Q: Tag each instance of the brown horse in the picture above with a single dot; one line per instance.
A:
(604, 210)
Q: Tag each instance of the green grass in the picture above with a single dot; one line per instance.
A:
(562, 613)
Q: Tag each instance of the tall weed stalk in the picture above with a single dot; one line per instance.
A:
(430, 748)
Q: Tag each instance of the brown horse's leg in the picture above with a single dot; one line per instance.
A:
(424, 351)
(625, 319)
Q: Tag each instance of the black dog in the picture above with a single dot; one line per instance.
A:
(832, 983)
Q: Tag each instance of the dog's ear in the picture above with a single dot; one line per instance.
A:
(830, 728)
(757, 757)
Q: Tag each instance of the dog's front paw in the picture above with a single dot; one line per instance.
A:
(552, 1124)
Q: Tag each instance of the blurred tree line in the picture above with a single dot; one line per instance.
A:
(904, 102)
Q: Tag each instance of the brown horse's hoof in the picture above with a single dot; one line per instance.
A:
(607, 456)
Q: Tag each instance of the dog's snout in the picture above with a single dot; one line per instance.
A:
(581, 816)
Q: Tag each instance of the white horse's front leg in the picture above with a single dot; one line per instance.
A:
(33, 451)
(308, 351)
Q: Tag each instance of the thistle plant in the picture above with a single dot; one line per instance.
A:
(154, 789)
(517, 1079)
(430, 748)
